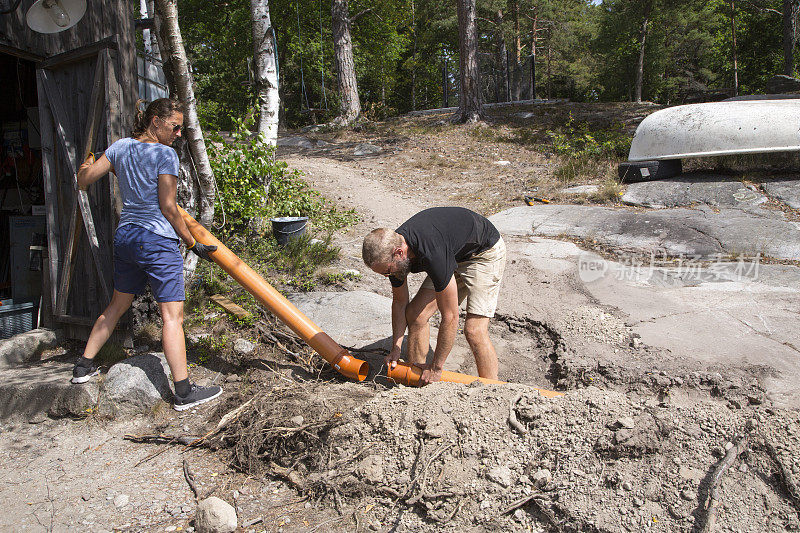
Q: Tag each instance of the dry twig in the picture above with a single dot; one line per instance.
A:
(512, 416)
(189, 476)
(716, 480)
(784, 474)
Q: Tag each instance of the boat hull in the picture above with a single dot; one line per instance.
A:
(718, 128)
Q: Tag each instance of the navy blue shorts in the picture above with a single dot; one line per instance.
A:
(141, 255)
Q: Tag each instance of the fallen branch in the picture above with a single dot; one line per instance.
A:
(512, 416)
(723, 466)
(189, 477)
(186, 440)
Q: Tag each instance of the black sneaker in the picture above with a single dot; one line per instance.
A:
(82, 374)
(196, 396)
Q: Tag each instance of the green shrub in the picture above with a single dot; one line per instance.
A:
(253, 184)
(579, 142)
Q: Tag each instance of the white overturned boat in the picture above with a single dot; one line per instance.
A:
(712, 129)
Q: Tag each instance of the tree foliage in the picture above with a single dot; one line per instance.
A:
(584, 50)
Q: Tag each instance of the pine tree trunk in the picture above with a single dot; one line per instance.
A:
(173, 48)
(501, 84)
(266, 71)
(637, 94)
(733, 46)
(470, 107)
(345, 67)
(516, 66)
(790, 8)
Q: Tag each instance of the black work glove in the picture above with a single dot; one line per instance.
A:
(202, 250)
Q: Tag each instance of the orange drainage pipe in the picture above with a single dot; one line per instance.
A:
(410, 374)
(265, 293)
(290, 315)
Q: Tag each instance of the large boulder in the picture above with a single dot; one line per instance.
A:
(26, 347)
(136, 384)
(782, 84)
(215, 516)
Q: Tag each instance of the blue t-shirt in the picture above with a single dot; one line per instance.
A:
(137, 165)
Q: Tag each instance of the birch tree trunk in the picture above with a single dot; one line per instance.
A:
(470, 107)
(173, 48)
(637, 92)
(266, 71)
(188, 182)
(345, 67)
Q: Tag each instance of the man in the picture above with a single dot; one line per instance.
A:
(464, 257)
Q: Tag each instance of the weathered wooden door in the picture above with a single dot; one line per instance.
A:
(79, 102)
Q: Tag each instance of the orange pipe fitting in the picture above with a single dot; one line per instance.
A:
(408, 374)
(265, 293)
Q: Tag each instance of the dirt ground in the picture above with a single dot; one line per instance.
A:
(623, 450)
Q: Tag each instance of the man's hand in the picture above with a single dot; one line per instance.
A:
(392, 358)
(430, 375)
(202, 250)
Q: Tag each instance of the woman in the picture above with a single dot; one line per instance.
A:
(146, 241)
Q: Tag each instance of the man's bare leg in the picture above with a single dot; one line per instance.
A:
(418, 312)
(476, 329)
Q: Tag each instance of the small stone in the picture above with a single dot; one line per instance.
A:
(525, 480)
(717, 451)
(689, 495)
(542, 478)
(297, 421)
(121, 500)
(627, 486)
(677, 512)
(485, 504)
(243, 347)
(215, 516)
(519, 515)
(171, 528)
(501, 475)
(233, 378)
(85, 496)
(625, 422)
(743, 467)
(638, 502)
(728, 446)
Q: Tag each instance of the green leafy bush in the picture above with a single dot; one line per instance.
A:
(253, 184)
(578, 142)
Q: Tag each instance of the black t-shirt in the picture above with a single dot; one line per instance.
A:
(441, 237)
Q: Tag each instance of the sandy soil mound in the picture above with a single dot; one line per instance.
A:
(449, 457)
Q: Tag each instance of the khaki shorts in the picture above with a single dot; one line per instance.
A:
(478, 279)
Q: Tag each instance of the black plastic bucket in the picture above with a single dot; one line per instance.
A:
(286, 228)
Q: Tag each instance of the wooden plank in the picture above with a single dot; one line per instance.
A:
(229, 306)
(79, 54)
(60, 119)
(22, 54)
(50, 188)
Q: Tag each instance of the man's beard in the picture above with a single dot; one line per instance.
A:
(402, 268)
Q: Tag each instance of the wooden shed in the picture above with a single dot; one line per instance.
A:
(62, 95)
